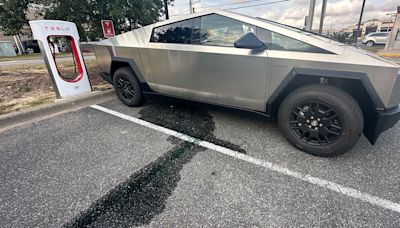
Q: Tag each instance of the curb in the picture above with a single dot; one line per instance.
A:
(75, 103)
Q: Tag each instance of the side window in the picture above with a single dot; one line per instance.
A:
(176, 33)
(379, 35)
(276, 41)
(218, 30)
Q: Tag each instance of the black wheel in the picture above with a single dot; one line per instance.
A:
(127, 87)
(370, 43)
(321, 119)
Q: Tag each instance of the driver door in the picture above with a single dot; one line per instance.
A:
(224, 74)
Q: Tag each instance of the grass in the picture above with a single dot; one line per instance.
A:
(39, 101)
(26, 86)
(12, 107)
(6, 108)
(375, 48)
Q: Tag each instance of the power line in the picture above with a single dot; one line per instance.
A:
(268, 3)
(228, 4)
(186, 4)
(240, 7)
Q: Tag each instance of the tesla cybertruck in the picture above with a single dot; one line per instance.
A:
(324, 94)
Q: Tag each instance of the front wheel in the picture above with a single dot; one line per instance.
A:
(127, 87)
(321, 119)
(370, 43)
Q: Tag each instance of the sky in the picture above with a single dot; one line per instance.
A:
(339, 13)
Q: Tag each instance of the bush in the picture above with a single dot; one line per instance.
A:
(342, 37)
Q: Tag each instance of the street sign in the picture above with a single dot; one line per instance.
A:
(108, 28)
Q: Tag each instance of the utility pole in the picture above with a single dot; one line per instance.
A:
(310, 15)
(323, 11)
(166, 9)
(190, 6)
(359, 22)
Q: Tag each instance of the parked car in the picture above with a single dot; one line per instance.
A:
(375, 38)
(323, 93)
(33, 45)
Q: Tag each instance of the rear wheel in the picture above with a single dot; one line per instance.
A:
(127, 87)
(320, 119)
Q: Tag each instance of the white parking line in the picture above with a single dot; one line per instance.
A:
(266, 164)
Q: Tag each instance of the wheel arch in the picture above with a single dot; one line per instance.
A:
(118, 62)
(356, 84)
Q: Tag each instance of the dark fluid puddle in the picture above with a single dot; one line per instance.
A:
(144, 194)
(186, 119)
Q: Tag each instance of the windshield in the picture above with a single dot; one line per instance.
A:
(302, 31)
(292, 28)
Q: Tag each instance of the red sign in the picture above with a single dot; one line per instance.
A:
(108, 28)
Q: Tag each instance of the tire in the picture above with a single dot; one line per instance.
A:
(370, 43)
(317, 132)
(127, 87)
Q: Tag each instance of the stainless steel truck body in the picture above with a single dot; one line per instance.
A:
(236, 61)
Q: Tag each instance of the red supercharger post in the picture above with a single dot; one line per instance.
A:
(47, 32)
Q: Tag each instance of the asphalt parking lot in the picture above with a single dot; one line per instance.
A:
(107, 169)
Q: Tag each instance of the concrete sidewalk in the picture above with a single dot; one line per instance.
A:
(60, 106)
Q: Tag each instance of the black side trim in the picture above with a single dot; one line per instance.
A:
(298, 71)
(382, 122)
(131, 63)
(117, 62)
(356, 83)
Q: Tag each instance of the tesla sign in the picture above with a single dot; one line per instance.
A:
(108, 28)
(52, 34)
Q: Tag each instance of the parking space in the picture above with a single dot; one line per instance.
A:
(92, 168)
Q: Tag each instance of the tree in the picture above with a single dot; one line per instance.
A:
(76, 11)
(87, 14)
(104, 9)
(143, 12)
(342, 37)
(12, 16)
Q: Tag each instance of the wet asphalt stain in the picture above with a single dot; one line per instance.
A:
(143, 195)
(136, 201)
(190, 120)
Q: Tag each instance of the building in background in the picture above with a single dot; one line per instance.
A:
(373, 25)
(33, 13)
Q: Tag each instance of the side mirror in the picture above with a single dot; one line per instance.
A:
(250, 41)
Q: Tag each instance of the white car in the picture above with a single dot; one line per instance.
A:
(375, 38)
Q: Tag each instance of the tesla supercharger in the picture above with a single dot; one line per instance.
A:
(49, 34)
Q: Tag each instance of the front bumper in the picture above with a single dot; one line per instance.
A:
(382, 122)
